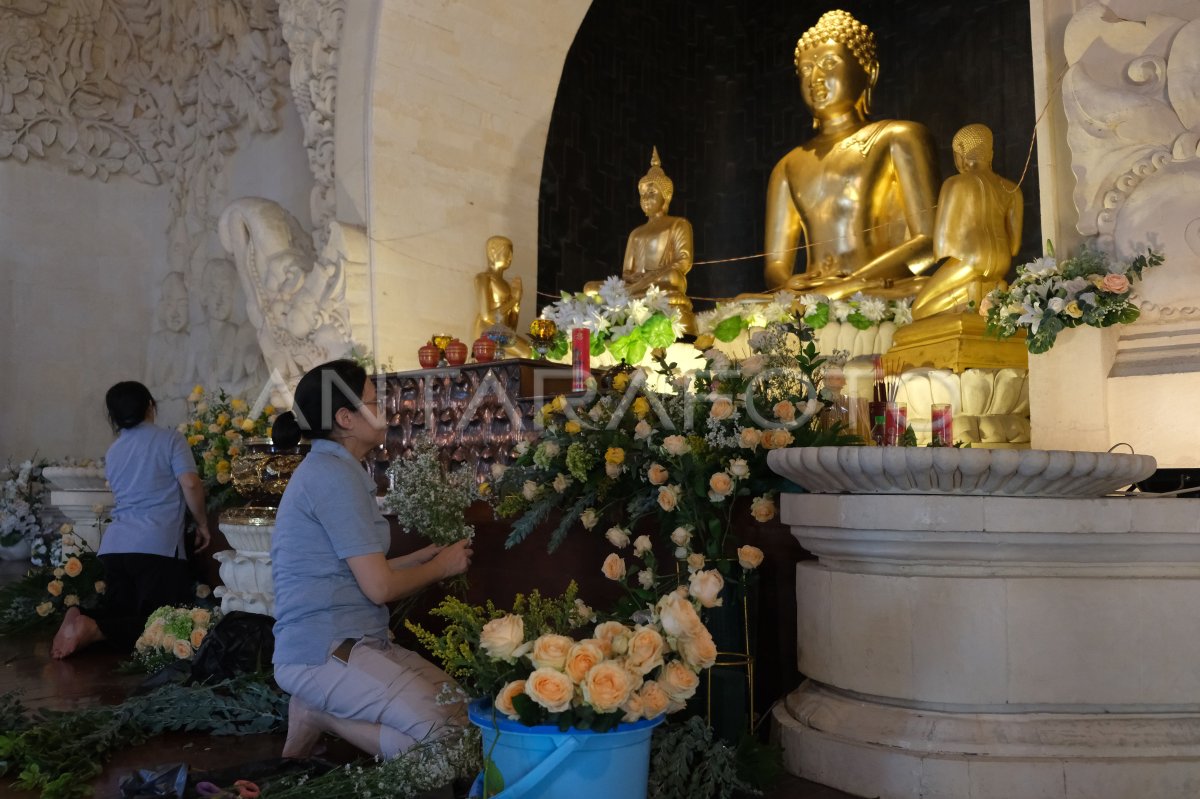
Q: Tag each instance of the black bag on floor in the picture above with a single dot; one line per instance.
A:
(240, 643)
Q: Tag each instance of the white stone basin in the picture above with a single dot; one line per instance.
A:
(248, 529)
(945, 470)
(76, 478)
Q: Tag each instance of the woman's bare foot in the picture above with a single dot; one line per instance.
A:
(76, 632)
(303, 730)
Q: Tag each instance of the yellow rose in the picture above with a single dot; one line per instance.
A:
(572, 427)
(645, 652)
(248, 426)
(763, 508)
(197, 637)
(668, 497)
(550, 688)
(677, 681)
(581, 658)
(606, 687)
(608, 632)
(706, 587)
(197, 394)
(721, 408)
(55, 587)
(70, 600)
(721, 483)
(45, 609)
(182, 650)
(73, 567)
(614, 455)
(657, 474)
(698, 650)
(236, 422)
(749, 438)
(640, 407)
(239, 405)
(222, 419)
(749, 557)
(197, 425)
(704, 342)
(614, 567)
(654, 699)
(268, 409)
(550, 651)
(1073, 310)
(504, 638)
(620, 382)
(504, 699)
(193, 440)
(785, 411)
(560, 403)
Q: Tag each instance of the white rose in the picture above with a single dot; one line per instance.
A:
(504, 638)
(706, 587)
(681, 536)
(646, 578)
(618, 537)
(752, 365)
(561, 481)
(530, 490)
(739, 468)
(589, 518)
(641, 545)
(676, 445)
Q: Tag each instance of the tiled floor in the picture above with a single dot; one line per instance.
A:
(90, 678)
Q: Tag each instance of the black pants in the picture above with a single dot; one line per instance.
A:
(135, 586)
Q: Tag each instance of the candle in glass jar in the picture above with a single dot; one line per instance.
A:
(941, 416)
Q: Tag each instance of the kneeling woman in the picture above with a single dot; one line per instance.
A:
(333, 580)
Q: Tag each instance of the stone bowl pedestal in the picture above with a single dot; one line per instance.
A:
(81, 494)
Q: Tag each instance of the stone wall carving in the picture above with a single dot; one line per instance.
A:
(313, 30)
(295, 302)
(1132, 100)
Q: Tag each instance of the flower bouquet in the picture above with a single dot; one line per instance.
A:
(1048, 297)
(21, 496)
(217, 426)
(625, 327)
(429, 500)
(728, 320)
(172, 634)
(546, 661)
(73, 578)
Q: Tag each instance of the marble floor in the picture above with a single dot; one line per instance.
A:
(91, 678)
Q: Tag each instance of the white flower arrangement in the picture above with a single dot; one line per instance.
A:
(861, 311)
(21, 497)
(627, 327)
(173, 634)
(429, 500)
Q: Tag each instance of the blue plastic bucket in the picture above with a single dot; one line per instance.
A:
(543, 763)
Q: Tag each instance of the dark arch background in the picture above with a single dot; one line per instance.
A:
(711, 83)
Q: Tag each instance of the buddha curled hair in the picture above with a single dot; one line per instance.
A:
(659, 178)
(974, 139)
(843, 28)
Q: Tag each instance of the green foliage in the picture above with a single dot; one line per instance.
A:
(58, 753)
(729, 329)
(686, 763)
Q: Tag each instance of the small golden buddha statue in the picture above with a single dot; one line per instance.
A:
(858, 195)
(978, 228)
(498, 298)
(659, 252)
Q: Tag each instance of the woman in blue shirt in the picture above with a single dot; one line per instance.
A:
(333, 581)
(153, 478)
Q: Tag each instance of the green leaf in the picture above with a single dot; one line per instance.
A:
(1128, 314)
(493, 780)
(818, 318)
(858, 321)
(729, 329)
(657, 331)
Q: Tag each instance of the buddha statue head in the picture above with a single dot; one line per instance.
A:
(655, 189)
(972, 147)
(173, 303)
(499, 251)
(835, 61)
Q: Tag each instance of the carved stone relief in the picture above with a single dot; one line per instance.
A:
(1132, 99)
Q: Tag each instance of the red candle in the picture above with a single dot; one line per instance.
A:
(581, 358)
(941, 417)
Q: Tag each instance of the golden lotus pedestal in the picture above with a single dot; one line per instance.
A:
(956, 342)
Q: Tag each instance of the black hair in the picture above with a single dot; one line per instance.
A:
(128, 402)
(285, 431)
(324, 391)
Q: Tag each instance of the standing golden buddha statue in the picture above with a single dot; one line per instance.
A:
(978, 229)
(499, 299)
(858, 195)
(658, 252)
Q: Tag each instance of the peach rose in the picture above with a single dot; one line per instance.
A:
(681, 536)
(182, 650)
(676, 445)
(550, 688)
(785, 411)
(45, 609)
(721, 483)
(677, 681)
(504, 638)
(608, 632)
(645, 652)
(197, 638)
(749, 557)
(749, 438)
(1117, 284)
(668, 497)
(632, 708)
(504, 699)
(100, 586)
(642, 430)
(677, 615)
(613, 470)
(70, 600)
(55, 587)
(73, 567)
(606, 687)
(641, 545)
(561, 482)
(550, 651)
(698, 649)
(763, 508)
(614, 567)
(589, 518)
(581, 658)
(775, 439)
(654, 699)
(695, 561)
(752, 365)
(618, 537)
(706, 587)
(200, 616)
(657, 474)
(721, 408)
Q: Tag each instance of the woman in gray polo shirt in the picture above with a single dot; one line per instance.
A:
(333, 581)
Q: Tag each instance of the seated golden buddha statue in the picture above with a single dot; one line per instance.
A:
(978, 228)
(858, 196)
(499, 299)
(659, 252)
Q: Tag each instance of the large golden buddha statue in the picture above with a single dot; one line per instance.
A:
(978, 228)
(859, 195)
(499, 299)
(659, 252)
